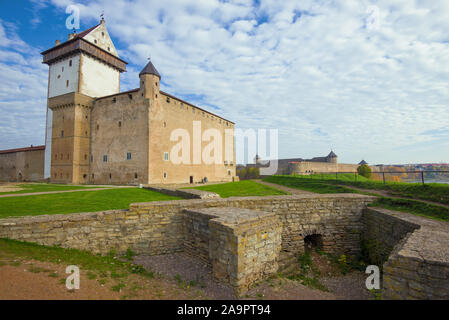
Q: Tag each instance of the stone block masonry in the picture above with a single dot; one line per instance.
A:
(414, 251)
(242, 245)
(241, 254)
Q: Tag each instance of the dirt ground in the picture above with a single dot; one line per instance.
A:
(177, 276)
(9, 187)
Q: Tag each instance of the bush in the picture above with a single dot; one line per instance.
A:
(364, 170)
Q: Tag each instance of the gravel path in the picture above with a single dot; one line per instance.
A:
(186, 269)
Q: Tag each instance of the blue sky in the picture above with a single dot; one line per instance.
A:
(368, 79)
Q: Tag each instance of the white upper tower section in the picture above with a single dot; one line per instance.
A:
(86, 63)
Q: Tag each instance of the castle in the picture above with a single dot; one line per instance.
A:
(96, 134)
(300, 166)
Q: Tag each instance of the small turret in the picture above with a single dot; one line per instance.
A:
(332, 157)
(150, 81)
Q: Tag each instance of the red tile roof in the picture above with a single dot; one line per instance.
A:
(36, 148)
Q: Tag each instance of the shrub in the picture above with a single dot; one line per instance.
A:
(364, 170)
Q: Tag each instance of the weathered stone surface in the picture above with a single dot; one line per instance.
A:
(243, 241)
(414, 252)
(184, 193)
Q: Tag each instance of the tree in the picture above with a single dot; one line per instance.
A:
(364, 170)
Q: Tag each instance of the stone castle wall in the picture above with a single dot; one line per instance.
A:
(22, 165)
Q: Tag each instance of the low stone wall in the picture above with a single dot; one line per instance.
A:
(243, 245)
(415, 252)
(166, 227)
(184, 193)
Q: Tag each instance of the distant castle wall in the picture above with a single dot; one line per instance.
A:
(24, 164)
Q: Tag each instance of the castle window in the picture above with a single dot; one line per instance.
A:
(130, 96)
(135, 176)
(93, 176)
(165, 175)
(85, 157)
(70, 63)
(110, 176)
(102, 34)
(105, 158)
(165, 156)
(164, 124)
(67, 83)
(98, 126)
(59, 76)
(203, 114)
(56, 156)
(109, 49)
(128, 156)
(95, 40)
(193, 110)
(168, 100)
(156, 84)
(62, 133)
(119, 124)
(114, 100)
(62, 69)
(91, 158)
(85, 132)
(84, 176)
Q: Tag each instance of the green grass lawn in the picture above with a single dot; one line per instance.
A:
(413, 206)
(46, 187)
(437, 192)
(243, 188)
(307, 184)
(319, 185)
(72, 202)
(104, 266)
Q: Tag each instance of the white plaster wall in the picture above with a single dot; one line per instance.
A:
(47, 155)
(97, 78)
(100, 37)
(57, 86)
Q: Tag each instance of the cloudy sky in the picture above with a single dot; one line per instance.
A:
(368, 79)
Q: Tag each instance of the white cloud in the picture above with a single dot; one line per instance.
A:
(312, 69)
(23, 89)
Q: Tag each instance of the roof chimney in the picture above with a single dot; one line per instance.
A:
(57, 42)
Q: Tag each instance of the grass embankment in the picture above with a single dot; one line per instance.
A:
(72, 202)
(307, 184)
(105, 266)
(318, 185)
(244, 188)
(46, 187)
(413, 206)
(437, 192)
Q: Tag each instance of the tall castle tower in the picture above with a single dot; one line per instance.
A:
(82, 68)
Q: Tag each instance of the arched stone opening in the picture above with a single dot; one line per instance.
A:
(312, 242)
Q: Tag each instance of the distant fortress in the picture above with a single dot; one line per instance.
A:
(327, 164)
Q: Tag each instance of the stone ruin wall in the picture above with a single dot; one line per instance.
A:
(413, 250)
(167, 227)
